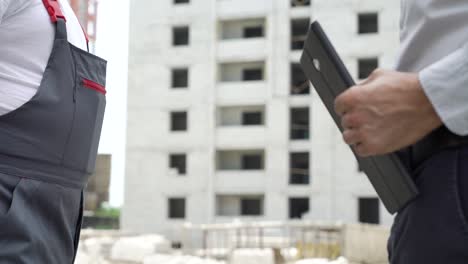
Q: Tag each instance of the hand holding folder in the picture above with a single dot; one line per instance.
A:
(324, 68)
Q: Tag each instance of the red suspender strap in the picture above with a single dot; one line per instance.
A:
(53, 8)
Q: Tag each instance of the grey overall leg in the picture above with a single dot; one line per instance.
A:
(39, 224)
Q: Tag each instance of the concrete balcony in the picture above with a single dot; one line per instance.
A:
(241, 50)
(240, 137)
(300, 12)
(295, 56)
(237, 182)
(242, 93)
(232, 9)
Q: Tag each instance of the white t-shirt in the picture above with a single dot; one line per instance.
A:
(26, 40)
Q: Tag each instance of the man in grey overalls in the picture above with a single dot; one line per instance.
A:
(48, 148)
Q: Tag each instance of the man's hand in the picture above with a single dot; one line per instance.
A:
(385, 113)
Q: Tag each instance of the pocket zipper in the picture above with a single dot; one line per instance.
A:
(94, 85)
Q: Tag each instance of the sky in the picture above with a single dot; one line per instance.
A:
(112, 45)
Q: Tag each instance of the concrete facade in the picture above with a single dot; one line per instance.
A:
(215, 98)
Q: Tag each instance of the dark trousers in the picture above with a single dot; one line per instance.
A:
(39, 221)
(433, 229)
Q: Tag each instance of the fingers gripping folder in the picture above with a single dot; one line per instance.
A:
(324, 68)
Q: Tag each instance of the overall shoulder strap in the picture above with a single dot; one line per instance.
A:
(54, 10)
(57, 17)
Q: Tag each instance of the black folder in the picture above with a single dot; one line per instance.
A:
(329, 76)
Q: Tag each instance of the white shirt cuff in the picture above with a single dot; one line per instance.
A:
(446, 85)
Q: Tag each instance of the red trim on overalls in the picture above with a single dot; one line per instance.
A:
(94, 85)
(54, 10)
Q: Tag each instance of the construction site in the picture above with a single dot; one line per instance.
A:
(242, 243)
(230, 156)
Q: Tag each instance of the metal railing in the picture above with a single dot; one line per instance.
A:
(306, 239)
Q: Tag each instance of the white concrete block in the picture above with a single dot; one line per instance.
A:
(171, 259)
(137, 248)
(252, 256)
(82, 258)
(98, 246)
(340, 260)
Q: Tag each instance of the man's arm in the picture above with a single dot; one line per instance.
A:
(391, 110)
(446, 85)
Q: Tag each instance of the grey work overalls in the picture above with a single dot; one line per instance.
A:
(47, 151)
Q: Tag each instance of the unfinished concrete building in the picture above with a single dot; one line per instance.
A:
(222, 123)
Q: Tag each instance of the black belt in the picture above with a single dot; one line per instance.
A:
(438, 140)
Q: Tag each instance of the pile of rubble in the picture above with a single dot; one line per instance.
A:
(113, 247)
(104, 247)
(340, 260)
(270, 256)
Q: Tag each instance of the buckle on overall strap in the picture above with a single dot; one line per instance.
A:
(54, 10)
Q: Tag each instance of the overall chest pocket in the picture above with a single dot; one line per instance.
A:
(89, 100)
